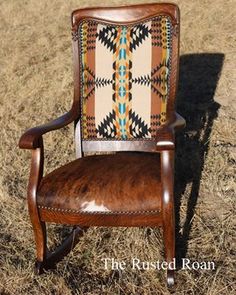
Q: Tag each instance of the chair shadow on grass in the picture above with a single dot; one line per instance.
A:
(199, 74)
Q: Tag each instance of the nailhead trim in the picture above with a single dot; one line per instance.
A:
(99, 212)
(120, 139)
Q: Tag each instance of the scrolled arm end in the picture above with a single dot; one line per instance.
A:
(32, 137)
(165, 137)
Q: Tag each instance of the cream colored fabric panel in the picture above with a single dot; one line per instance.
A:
(141, 92)
(103, 70)
(124, 71)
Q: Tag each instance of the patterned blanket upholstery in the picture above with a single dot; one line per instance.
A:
(125, 74)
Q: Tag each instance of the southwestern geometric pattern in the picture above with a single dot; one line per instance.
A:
(125, 74)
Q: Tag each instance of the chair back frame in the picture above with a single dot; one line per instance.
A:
(124, 15)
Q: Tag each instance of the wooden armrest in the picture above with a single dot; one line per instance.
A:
(165, 137)
(178, 123)
(31, 138)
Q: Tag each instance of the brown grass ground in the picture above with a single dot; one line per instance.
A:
(36, 86)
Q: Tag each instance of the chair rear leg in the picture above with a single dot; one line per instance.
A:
(47, 260)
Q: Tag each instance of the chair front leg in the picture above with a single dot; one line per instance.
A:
(45, 259)
(168, 217)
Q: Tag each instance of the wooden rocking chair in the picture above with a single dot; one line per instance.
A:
(125, 80)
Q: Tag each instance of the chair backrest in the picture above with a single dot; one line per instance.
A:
(126, 65)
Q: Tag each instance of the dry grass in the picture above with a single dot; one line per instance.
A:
(36, 85)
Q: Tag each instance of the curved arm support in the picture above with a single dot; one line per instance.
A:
(36, 173)
(168, 214)
(167, 178)
(32, 137)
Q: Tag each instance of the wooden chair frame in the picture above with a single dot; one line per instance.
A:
(164, 143)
